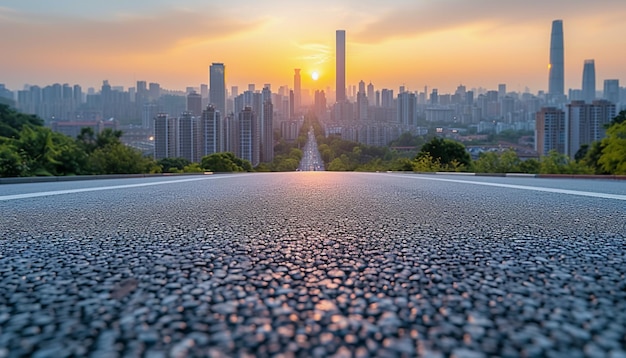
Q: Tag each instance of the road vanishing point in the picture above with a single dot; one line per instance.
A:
(313, 264)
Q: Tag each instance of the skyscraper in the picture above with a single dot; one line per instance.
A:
(550, 130)
(297, 89)
(267, 126)
(611, 91)
(586, 123)
(556, 67)
(186, 137)
(217, 87)
(194, 103)
(211, 132)
(340, 55)
(589, 81)
(165, 136)
(248, 137)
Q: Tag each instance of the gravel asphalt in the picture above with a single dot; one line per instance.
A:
(313, 264)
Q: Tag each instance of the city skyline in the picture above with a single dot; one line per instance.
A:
(415, 44)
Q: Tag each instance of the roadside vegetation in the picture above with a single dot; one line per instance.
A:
(27, 148)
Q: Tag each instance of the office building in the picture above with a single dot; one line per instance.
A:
(556, 67)
(589, 81)
(340, 54)
(217, 87)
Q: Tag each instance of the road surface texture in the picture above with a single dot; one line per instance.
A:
(315, 264)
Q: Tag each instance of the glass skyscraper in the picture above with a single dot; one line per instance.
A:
(217, 89)
(556, 66)
(589, 81)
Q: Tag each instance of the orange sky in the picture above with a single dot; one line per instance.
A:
(441, 44)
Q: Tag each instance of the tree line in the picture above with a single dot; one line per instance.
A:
(27, 148)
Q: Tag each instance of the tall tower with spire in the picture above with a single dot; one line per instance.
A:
(556, 83)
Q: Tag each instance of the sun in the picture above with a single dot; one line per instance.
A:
(315, 75)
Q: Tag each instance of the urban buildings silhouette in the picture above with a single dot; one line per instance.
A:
(208, 118)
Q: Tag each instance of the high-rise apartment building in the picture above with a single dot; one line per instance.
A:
(154, 91)
(165, 136)
(266, 125)
(297, 89)
(371, 94)
(586, 123)
(611, 91)
(194, 103)
(550, 130)
(589, 81)
(556, 67)
(248, 136)
(387, 98)
(340, 54)
(187, 137)
(407, 108)
(211, 132)
(217, 87)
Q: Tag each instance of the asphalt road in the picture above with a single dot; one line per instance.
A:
(311, 159)
(314, 264)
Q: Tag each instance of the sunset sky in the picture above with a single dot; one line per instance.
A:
(416, 43)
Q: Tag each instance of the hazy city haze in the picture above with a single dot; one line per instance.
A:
(412, 43)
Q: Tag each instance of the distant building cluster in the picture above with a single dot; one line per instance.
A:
(213, 118)
(248, 132)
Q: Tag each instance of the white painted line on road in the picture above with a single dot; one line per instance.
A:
(113, 187)
(522, 187)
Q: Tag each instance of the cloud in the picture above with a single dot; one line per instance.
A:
(426, 17)
(317, 54)
(126, 34)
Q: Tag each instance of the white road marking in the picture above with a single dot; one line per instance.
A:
(114, 187)
(522, 187)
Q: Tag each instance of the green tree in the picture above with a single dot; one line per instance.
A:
(12, 122)
(426, 163)
(10, 161)
(45, 152)
(613, 157)
(337, 165)
(173, 165)
(557, 163)
(492, 162)
(619, 119)
(193, 168)
(530, 166)
(225, 162)
(447, 152)
(117, 158)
